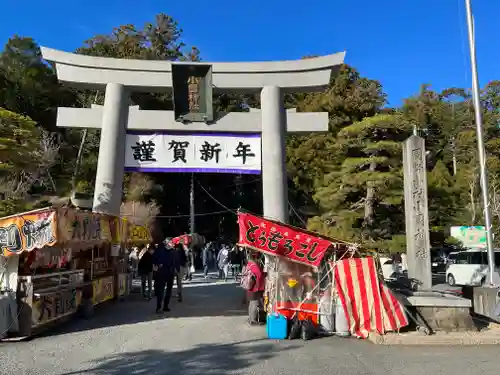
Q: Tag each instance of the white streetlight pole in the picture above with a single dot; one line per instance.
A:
(480, 140)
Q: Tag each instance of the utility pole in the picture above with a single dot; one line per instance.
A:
(453, 146)
(480, 140)
(191, 206)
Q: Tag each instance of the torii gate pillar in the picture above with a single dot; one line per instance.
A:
(109, 176)
(274, 176)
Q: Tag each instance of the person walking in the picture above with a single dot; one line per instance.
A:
(145, 269)
(205, 258)
(181, 259)
(397, 261)
(223, 262)
(165, 266)
(134, 260)
(190, 262)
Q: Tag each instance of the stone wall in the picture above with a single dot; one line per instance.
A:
(448, 319)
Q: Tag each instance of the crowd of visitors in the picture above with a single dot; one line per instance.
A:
(166, 263)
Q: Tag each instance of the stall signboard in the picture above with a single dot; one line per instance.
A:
(470, 237)
(112, 229)
(138, 234)
(281, 240)
(78, 226)
(50, 307)
(26, 232)
(103, 290)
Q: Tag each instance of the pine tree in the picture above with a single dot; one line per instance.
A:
(363, 196)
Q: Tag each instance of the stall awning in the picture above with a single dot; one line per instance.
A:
(281, 240)
(28, 231)
(63, 226)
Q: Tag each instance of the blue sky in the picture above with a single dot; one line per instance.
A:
(401, 43)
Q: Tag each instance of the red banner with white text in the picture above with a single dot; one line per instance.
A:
(281, 240)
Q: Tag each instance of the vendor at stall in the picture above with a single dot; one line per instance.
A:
(255, 287)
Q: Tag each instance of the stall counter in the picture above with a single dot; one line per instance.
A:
(47, 298)
(103, 289)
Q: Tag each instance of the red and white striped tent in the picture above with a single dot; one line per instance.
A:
(368, 304)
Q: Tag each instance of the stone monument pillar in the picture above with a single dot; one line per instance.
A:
(416, 212)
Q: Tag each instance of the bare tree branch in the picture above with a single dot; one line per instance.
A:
(46, 157)
(140, 213)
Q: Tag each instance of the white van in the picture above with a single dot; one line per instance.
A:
(470, 267)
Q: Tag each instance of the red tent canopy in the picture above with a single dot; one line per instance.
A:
(185, 239)
(188, 240)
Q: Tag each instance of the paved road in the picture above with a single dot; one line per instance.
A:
(439, 284)
(207, 334)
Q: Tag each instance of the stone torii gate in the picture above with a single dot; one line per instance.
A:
(120, 77)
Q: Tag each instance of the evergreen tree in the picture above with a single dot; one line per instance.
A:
(362, 197)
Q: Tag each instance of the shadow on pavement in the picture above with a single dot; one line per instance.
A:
(199, 301)
(202, 359)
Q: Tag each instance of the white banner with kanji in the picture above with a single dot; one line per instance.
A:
(220, 153)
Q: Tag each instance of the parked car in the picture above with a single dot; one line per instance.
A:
(470, 267)
(391, 270)
(388, 268)
(438, 261)
(439, 258)
(452, 258)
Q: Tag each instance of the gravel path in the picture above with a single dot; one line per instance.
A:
(207, 334)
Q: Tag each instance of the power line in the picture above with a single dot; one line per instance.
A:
(214, 199)
(297, 214)
(183, 215)
(242, 183)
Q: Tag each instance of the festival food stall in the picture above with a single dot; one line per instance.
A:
(95, 239)
(58, 258)
(323, 281)
(43, 285)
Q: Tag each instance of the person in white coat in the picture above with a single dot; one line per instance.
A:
(223, 262)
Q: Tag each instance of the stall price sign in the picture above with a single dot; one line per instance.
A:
(122, 284)
(54, 306)
(281, 240)
(103, 290)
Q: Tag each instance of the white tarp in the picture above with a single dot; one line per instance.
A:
(8, 286)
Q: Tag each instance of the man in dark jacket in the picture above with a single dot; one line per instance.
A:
(234, 258)
(166, 267)
(145, 268)
(205, 258)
